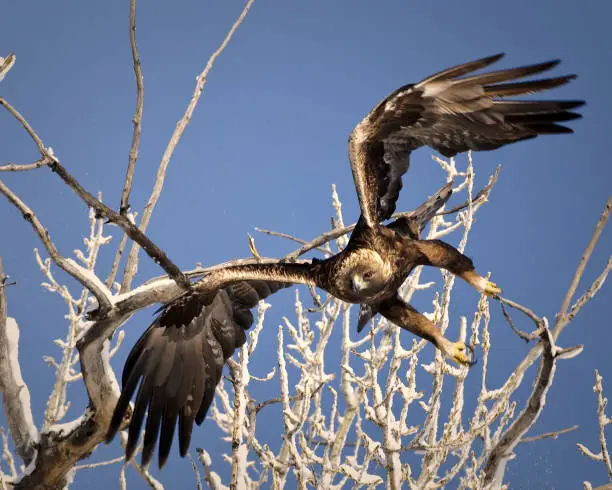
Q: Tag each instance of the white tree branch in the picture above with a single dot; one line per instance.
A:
(602, 420)
(15, 393)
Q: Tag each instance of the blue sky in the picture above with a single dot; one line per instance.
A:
(269, 139)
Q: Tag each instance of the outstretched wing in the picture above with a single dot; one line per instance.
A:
(178, 361)
(451, 113)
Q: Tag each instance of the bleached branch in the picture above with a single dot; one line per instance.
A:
(548, 435)
(82, 275)
(157, 254)
(15, 393)
(603, 421)
(12, 167)
(503, 451)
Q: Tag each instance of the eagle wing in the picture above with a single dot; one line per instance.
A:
(451, 113)
(177, 363)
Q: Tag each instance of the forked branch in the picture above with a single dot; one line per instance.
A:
(156, 253)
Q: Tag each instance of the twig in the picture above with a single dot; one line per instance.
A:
(423, 213)
(211, 478)
(548, 435)
(196, 471)
(7, 455)
(133, 156)
(592, 291)
(239, 380)
(158, 255)
(115, 267)
(89, 466)
(132, 261)
(527, 337)
(288, 237)
(564, 318)
(15, 393)
(603, 420)
(90, 281)
(502, 452)
(137, 119)
(39, 144)
(523, 309)
(11, 167)
(482, 194)
(142, 470)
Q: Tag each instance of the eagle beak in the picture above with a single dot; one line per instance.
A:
(357, 284)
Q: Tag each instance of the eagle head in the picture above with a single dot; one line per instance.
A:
(368, 274)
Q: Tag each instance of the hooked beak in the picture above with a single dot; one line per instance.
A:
(357, 284)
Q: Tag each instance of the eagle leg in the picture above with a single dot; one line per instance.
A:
(440, 254)
(462, 353)
(481, 284)
(405, 316)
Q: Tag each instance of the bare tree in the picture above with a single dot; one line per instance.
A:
(326, 440)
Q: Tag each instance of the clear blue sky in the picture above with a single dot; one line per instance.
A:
(269, 139)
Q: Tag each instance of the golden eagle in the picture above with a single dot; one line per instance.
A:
(177, 362)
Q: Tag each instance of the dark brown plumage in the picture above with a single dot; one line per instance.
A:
(179, 359)
(451, 115)
(178, 362)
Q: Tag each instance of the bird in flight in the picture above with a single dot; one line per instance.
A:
(177, 362)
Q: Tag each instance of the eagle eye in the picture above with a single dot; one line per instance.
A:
(368, 275)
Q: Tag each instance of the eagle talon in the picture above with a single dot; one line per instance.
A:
(491, 289)
(459, 354)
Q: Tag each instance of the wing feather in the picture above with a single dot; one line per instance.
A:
(154, 418)
(176, 365)
(451, 113)
(464, 69)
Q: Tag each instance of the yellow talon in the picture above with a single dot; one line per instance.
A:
(462, 354)
(491, 289)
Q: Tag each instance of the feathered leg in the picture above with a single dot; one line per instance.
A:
(405, 316)
(439, 254)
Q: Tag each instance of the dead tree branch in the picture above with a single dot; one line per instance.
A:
(603, 421)
(548, 435)
(157, 254)
(88, 280)
(563, 317)
(12, 167)
(15, 393)
(137, 119)
(422, 214)
(132, 261)
(503, 451)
